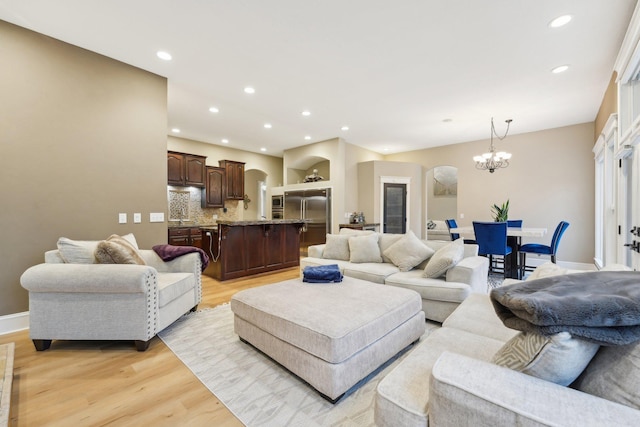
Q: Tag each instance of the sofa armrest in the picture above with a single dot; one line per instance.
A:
(187, 263)
(471, 270)
(89, 278)
(315, 251)
(466, 391)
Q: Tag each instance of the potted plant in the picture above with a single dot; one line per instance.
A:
(500, 213)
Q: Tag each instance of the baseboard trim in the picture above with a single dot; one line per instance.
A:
(14, 322)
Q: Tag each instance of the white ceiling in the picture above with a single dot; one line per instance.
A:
(393, 71)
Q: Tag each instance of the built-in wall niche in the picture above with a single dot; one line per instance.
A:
(255, 189)
(312, 169)
(442, 193)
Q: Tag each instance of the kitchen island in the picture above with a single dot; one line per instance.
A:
(242, 248)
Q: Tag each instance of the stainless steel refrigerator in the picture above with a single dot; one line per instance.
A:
(313, 206)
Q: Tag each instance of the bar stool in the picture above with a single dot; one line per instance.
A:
(491, 238)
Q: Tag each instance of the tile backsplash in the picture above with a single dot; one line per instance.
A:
(186, 201)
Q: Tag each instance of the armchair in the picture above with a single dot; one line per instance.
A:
(85, 301)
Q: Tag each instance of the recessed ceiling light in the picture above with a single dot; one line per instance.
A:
(175, 130)
(249, 89)
(307, 137)
(344, 128)
(560, 69)
(267, 126)
(225, 141)
(560, 21)
(447, 120)
(164, 55)
(214, 110)
(306, 113)
(263, 149)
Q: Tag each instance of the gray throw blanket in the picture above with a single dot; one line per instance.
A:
(602, 307)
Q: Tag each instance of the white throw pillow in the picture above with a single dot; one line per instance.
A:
(444, 258)
(408, 252)
(558, 358)
(364, 248)
(337, 247)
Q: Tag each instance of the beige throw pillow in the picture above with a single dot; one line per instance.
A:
(364, 248)
(117, 250)
(385, 240)
(444, 258)
(558, 358)
(613, 375)
(408, 252)
(337, 247)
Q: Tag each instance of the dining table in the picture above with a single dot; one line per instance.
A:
(514, 239)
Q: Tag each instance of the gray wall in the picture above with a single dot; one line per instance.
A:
(83, 138)
(550, 178)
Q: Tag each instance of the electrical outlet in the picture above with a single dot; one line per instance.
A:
(156, 217)
(214, 216)
(122, 218)
(137, 218)
(461, 216)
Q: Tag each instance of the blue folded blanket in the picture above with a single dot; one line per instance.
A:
(322, 274)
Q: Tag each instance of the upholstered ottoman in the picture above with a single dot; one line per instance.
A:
(331, 335)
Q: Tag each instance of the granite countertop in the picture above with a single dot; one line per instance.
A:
(188, 224)
(260, 222)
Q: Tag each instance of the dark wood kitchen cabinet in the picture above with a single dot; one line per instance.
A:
(185, 236)
(185, 169)
(234, 178)
(213, 195)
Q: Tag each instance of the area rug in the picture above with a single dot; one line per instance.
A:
(257, 390)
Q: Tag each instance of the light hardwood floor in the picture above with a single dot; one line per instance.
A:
(99, 383)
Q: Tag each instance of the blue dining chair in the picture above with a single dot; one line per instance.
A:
(451, 223)
(515, 223)
(491, 238)
(539, 249)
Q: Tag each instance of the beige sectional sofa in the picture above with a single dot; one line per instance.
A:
(449, 379)
(441, 295)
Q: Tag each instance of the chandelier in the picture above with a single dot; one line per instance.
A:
(493, 160)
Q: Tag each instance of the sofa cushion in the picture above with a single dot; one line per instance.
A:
(370, 271)
(477, 316)
(613, 375)
(558, 358)
(408, 252)
(82, 251)
(364, 248)
(337, 247)
(432, 289)
(444, 259)
(173, 285)
(117, 250)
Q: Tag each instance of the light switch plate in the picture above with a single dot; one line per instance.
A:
(122, 218)
(137, 218)
(156, 217)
